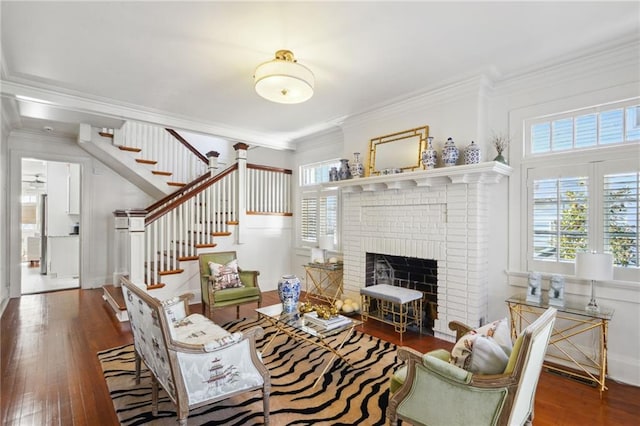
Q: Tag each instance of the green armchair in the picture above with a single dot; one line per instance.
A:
(214, 297)
(429, 390)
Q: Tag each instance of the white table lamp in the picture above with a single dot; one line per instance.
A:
(326, 244)
(594, 267)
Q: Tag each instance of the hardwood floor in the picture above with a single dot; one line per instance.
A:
(50, 374)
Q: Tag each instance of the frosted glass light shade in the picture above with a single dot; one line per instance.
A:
(594, 266)
(283, 80)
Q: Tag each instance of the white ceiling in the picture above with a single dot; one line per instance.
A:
(190, 65)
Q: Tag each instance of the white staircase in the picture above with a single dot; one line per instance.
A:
(157, 248)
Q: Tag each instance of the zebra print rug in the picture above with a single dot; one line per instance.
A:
(344, 396)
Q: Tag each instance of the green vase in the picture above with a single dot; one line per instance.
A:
(499, 158)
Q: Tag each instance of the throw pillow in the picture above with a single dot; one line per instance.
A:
(484, 350)
(225, 276)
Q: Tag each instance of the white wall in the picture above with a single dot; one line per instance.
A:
(4, 224)
(102, 192)
(472, 110)
(267, 240)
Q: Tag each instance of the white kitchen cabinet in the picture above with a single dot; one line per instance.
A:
(63, 256)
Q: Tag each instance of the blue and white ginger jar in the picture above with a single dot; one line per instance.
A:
(450, 153)
(472, 154)
(289, 292)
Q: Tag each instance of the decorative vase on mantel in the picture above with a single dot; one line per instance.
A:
(429, 155)
(499, 158)
(357, 169)
(472, 154)
(450, 153)
(289, 293)
(333, 174)
(343, 172)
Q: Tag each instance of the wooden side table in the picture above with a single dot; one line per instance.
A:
(324, 281)
(570, 340)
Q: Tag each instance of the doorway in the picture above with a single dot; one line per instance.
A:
(50, 225)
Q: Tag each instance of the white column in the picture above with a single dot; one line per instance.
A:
(136, 246)
(241, 199)
(120, 246)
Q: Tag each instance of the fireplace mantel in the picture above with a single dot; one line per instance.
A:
(488, 172)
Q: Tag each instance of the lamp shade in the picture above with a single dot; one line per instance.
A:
(594, 266)
(326, 242)
(284, 80)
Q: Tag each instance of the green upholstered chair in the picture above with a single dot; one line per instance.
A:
(216, 299)
(428, 390)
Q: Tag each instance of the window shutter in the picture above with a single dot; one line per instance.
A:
(309, 219)
(560, 218)
(620, 215)
(328, 215)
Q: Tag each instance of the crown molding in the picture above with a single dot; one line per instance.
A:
(113, 109)
(604, 58)
(476, 85)
(10, 114)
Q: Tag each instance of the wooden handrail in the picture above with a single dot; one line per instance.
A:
(269, 169)
(188, 187)
(181, 199)
(179, 192)
(184, 142)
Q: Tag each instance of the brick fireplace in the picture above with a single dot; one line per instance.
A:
(440, 215)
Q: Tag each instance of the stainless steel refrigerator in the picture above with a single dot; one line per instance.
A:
(43, 233)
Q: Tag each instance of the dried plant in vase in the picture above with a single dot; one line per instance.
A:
(501, 142)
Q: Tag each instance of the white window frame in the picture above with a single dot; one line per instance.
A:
(309, 187)
(594, 164)
(557, 172)
(598, 109)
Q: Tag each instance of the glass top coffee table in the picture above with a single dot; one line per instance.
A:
(295, 325)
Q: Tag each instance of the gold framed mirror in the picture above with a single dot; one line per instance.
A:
(397, 151)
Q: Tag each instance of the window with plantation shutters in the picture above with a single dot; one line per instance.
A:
(319, 209)
(328, 223)
(584, 200)
(560, 218)
(620, 217)
(309, 220)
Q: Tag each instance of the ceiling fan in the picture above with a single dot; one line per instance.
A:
(38, 179)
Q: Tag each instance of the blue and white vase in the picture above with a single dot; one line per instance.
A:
(472, 154)
(289, 292)
(450, 153)
(343, 172)
(333, 174)
(429, 155)
(357, 168)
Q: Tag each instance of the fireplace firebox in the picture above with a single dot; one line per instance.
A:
(408, 272)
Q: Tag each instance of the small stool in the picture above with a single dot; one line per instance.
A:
(394, 301)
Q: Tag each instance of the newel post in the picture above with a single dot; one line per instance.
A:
(241, 200)
(120, 246)
(129, 246)
(213, 162)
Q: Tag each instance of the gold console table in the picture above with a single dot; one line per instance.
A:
(324, 281)
(572, 324)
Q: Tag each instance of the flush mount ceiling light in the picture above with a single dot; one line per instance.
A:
(284, 80)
